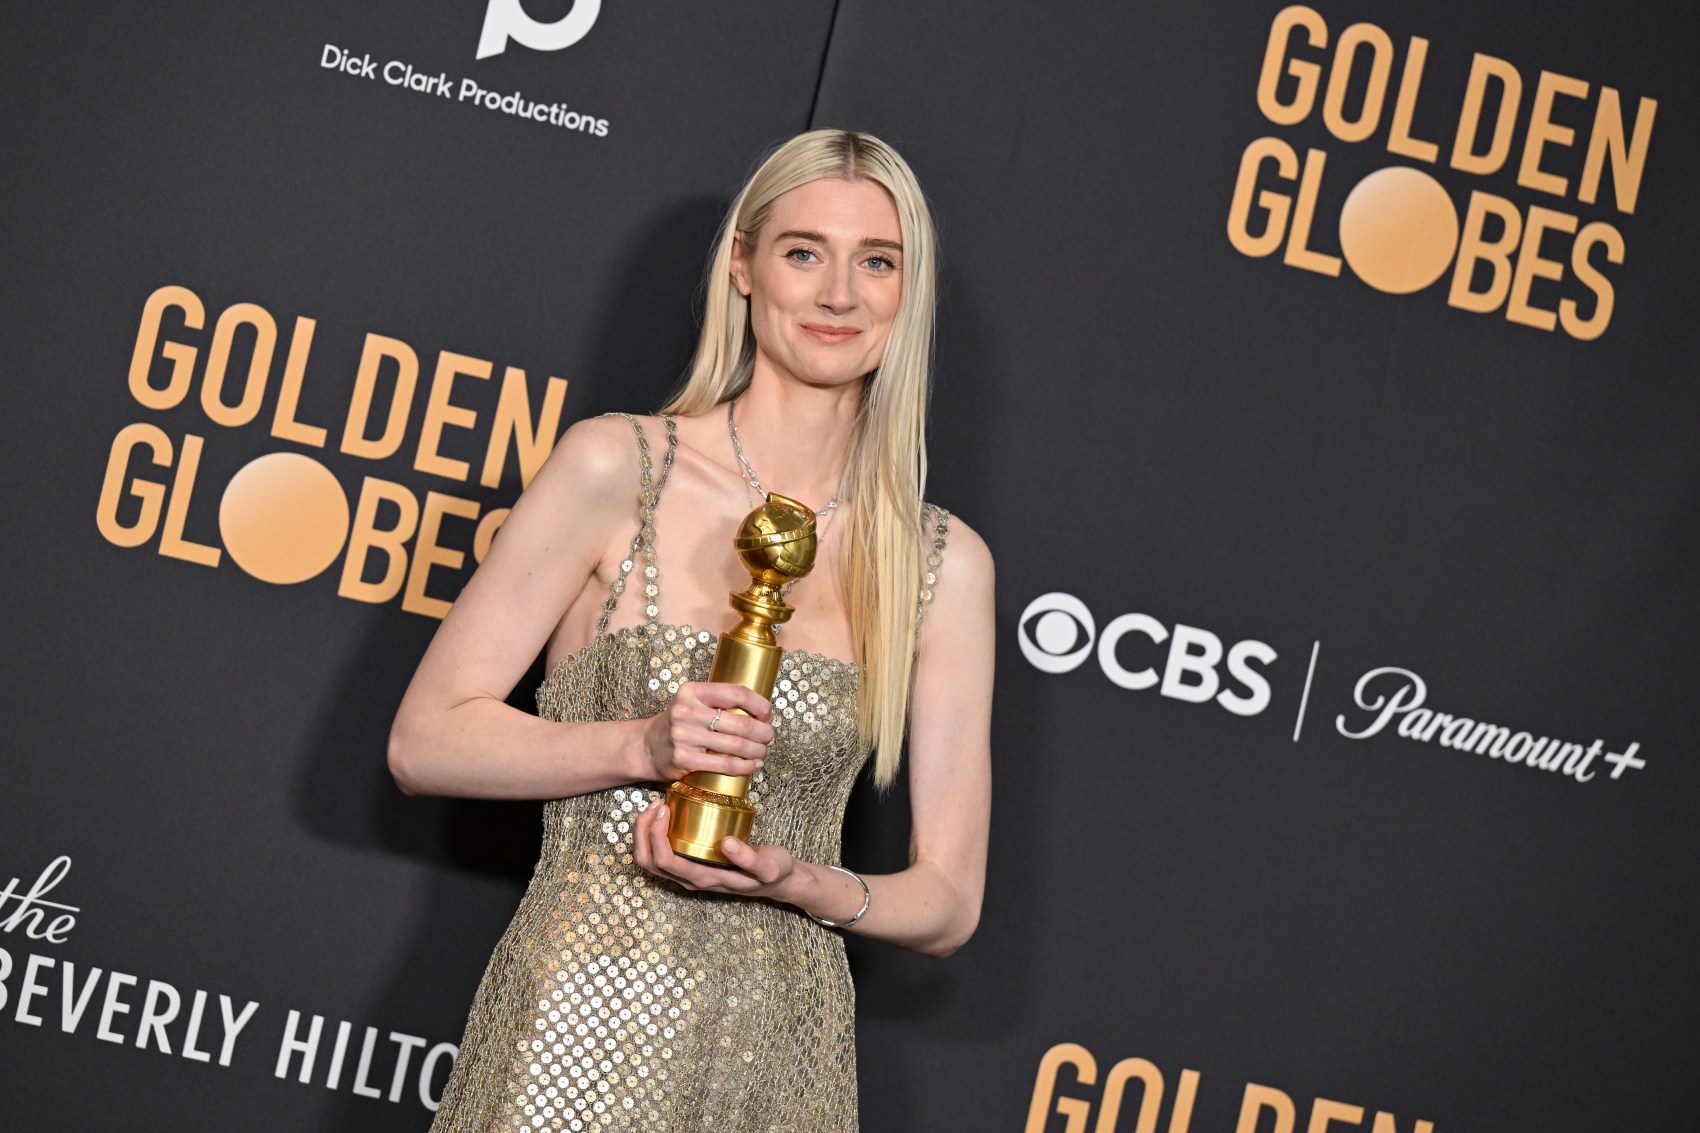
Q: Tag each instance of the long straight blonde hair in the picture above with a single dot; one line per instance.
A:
(882, 552)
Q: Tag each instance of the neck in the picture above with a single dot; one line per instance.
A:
(798, 437)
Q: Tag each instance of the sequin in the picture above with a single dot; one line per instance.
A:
(618, 1002)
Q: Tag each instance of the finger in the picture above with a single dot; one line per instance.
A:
(720, 743)
(734, 722)
(641, 833)
(769, 864)
(745, 727)
(694, 743)
(684, 871)
(746, 858)
(663, 862)
(734, 736)
(718, 763)
(722, 695)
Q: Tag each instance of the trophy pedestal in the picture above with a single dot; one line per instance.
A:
(699, 819)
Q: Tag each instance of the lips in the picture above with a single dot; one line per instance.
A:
(830, 334)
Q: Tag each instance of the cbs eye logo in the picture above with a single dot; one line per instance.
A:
(1057, 633)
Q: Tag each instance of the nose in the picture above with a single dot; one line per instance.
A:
(838, 288)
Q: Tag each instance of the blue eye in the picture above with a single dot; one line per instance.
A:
(801, 255)
(880, 263)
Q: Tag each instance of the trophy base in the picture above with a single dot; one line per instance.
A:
(697, 821)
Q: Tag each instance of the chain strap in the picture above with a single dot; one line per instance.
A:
(643, 543)
(941, 534)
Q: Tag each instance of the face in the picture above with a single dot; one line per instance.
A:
(824, 280)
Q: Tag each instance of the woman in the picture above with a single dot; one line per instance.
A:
(636, 989)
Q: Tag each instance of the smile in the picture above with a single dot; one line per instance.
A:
(831, 334)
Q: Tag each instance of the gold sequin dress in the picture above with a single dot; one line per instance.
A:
(620, 1001)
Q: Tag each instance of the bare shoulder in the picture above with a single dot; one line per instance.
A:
(593, 470)
(958, 596)
(596, 453)
(958, 630)
(966, 559)
(587, 488)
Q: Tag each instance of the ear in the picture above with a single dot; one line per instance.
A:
(740, 266)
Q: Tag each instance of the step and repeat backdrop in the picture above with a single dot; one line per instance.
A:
(1322, 376)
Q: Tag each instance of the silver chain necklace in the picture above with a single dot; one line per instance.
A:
(751, 480)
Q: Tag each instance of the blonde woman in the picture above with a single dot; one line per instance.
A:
(636, 989)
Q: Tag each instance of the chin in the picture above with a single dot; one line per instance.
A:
(835, 380)
(825, 367)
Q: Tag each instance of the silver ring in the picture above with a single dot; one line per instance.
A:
(716, 720)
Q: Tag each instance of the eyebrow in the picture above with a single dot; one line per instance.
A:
(816, 237)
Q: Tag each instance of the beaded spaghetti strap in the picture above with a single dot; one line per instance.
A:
(940, 520)
(643, 543)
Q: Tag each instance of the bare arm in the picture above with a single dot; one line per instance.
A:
(454, 733)
(933, 906)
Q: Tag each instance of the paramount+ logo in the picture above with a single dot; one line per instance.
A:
(1137, 652)
(506, 20)
(1507, 184)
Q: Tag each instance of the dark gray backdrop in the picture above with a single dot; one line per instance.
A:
(1131, 411)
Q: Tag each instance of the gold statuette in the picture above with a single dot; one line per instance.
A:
(776, 543)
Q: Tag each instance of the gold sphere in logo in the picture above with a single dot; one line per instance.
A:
(1398, 230)
(284, 518)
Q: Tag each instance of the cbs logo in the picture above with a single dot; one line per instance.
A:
(1057, 633)
(506, 19)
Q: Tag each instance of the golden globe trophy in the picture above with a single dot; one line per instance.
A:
(776, 543)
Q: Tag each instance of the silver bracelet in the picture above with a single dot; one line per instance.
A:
(867, 899)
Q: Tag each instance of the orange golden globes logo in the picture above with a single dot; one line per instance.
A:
(1540, 260)
(285, 517)
(1263, 1109)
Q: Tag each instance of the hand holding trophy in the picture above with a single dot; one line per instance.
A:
(776, 543)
